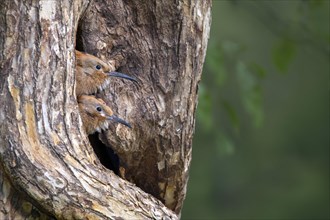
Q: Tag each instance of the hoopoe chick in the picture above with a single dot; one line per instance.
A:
(96, 115)
(92, 74)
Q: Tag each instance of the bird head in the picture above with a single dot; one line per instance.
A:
(93, 74)
(96, 115)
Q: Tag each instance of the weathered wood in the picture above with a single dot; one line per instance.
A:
(46, 160)
(163, 44)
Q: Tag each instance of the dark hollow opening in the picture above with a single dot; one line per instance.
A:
(79, 41)
(106, 155)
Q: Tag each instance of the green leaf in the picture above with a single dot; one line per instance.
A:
(257, 69)
(316, 3)
(225, 145)
(283, 53)
(215, 63)
(232, 114)
(253, 105)
(251, 93)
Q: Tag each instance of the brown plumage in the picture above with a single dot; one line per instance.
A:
(96, 115)
(92, 74)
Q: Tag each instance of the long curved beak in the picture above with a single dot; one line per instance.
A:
(122, 75)
(119, 120)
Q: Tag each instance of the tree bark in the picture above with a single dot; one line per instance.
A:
(48, 168)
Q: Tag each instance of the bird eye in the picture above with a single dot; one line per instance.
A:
(98, 67)
(98, 108)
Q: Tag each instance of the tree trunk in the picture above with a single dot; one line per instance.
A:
(47, 165)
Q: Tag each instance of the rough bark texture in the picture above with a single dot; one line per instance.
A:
(48, 168)
(163, 44)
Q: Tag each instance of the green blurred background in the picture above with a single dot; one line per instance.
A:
(261, 146)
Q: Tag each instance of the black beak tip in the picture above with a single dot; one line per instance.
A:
(128, 125)
(119, 120)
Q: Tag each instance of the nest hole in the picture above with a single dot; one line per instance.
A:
(106, 155)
